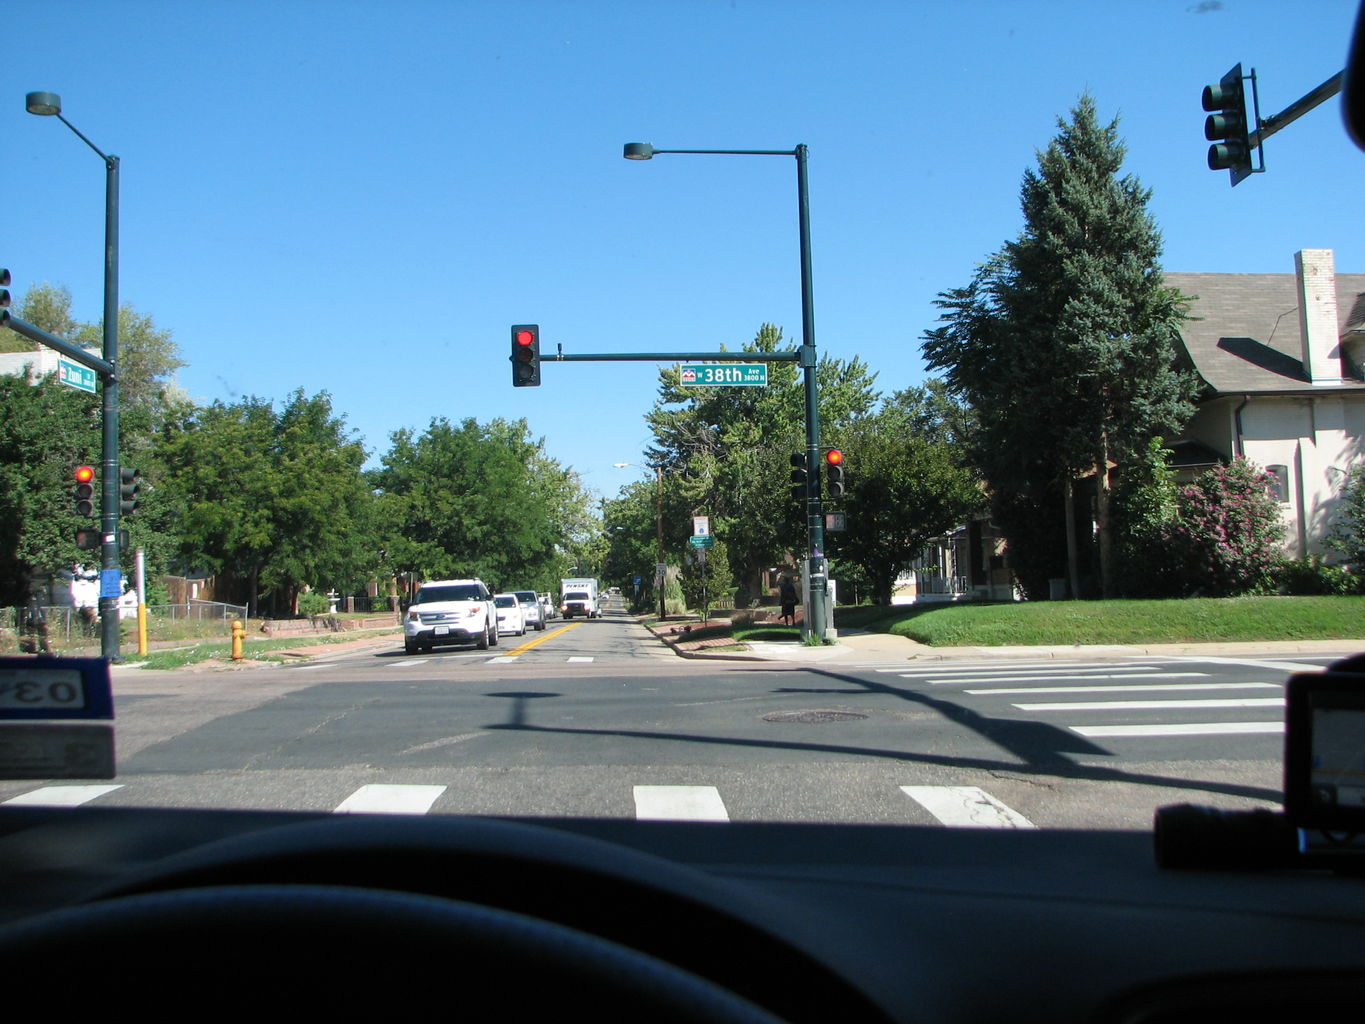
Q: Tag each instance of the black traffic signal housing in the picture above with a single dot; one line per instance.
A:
(526, 356)
(834, 473)
(4, 295)
(88, 540)
(800, 477)
(129, 487)
(84, 492)
(1228, 127)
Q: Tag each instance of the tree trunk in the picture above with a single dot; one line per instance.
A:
(1073, 568)
(1102, 503)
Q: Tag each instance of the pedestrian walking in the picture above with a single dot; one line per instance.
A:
(787, 596)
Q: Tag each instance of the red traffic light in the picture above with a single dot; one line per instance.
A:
(834, 457)
(84, 474)
(525, 337)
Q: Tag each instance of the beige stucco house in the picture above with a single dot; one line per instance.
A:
(1280, 357)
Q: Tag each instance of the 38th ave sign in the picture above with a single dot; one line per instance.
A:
(713, 375)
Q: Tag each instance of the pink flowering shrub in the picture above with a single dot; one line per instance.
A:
(1226, 536)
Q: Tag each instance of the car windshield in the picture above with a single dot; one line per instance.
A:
(457, 592)
(890, 398)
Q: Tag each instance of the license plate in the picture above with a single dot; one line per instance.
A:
(442, 631)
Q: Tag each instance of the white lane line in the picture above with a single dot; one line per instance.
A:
(386, 799)
(60, 796)
(1154, 688)
(1051, 669)
(1281, 666)
(505, 659)
(1205, 729)
(993, 666)
(966, 807)
(1053, 676)
(573, 661)
(679, 803)
(1155, 705)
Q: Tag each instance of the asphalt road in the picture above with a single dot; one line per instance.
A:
(598, 719)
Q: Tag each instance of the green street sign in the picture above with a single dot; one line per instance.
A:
(723, 375)
(702, 542)
(75, 375)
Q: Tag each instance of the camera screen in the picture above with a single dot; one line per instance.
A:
(1325, 752)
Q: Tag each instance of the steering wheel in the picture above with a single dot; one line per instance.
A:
(531, 919)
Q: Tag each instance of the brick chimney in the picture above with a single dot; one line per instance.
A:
(1319, 329)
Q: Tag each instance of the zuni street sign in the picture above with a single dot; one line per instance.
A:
(76, 375)
(723, 375)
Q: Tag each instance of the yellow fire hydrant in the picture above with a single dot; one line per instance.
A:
(238, 635)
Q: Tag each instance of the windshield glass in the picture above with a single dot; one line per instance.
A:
(457, 592)
(892, 403)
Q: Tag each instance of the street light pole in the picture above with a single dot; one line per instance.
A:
(47, 104)
(815, 520)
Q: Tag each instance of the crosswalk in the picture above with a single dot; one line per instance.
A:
(1100, 699)
(949, 806)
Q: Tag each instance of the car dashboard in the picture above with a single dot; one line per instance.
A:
(760, 921)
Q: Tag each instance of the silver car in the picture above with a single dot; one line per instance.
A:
(531, 609)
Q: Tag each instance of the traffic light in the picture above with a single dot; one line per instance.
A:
(526, 356)
(129, 486)
(800, 478)
(88, 540)
(4, 295)
(85, 491)
(1227, 126)
(834, 473)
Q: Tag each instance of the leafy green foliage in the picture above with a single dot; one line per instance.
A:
(1348, 531)
(274, 499)
(482, 500)
(1227, 538)
(706, 580)
(46, 430)
(1064, 343)
(905, 487)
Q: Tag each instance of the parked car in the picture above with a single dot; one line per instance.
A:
(450, 612)
(531, 610)
(547, 606)
(510, 618)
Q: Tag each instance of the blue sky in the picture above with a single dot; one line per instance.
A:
(361, 198)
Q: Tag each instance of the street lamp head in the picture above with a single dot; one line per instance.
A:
(44, 104)
(622, 465)
(638, 151)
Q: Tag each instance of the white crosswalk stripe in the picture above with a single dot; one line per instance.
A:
(60, 796)
(391, 799)
(966, 807)
(679, 803)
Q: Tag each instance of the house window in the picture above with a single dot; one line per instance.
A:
(1279, 483)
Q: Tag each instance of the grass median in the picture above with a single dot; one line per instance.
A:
(1064, 623)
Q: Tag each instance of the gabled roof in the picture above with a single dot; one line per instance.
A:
(1247, 337)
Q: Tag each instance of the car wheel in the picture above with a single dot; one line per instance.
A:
(483, 640)
(410, 647)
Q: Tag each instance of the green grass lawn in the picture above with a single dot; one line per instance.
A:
(1193, 620)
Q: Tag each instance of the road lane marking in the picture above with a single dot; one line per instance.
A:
(60, 796)
(1052, 676)
(525, 646)
(966, 807)
(679, 803)
(1154, 688)
(1184, 729)
(1155, 705)
(573, 661)
(388, 799)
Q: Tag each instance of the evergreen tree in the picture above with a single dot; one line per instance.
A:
(1064, 344)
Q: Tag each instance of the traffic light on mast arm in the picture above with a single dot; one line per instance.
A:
(800, 478)
(834, 473)
(1228, 127)
(129, 487)
(85, 490)
(526, 356)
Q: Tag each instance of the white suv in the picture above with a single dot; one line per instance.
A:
(450, 612)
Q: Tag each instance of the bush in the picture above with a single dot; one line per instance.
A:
(1311, 578)
(1227, 538)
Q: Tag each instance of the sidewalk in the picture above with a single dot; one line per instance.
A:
(860, 647)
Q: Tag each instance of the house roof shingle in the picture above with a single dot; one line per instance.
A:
(1247, 336)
